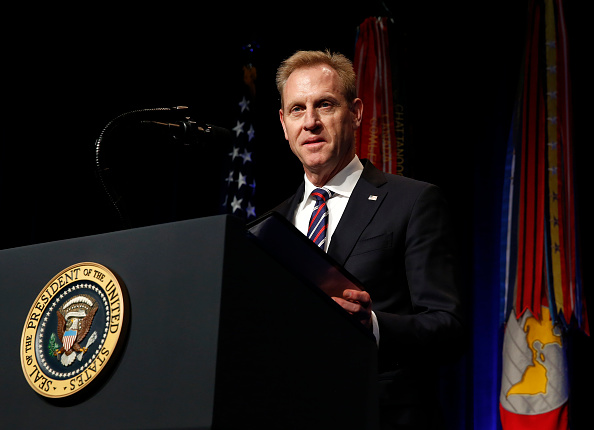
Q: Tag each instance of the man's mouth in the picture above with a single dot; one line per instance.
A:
(313, 140)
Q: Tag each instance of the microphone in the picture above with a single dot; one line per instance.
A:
(189, 132)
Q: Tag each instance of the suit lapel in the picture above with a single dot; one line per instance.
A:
(363, 204)
(288, 207)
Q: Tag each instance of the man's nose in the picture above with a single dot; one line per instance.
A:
(312, 120)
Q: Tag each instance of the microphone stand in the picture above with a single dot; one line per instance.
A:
(100, 170)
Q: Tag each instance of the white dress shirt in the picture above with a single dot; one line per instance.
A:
(342, 185)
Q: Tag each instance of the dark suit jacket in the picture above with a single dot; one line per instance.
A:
(399, 246)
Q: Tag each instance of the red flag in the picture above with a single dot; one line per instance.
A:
(376, 138)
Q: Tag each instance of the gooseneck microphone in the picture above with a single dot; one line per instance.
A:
(181, 128)
(189, 132)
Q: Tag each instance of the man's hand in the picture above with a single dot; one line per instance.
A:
(357, 303)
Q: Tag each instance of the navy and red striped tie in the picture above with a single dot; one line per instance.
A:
(318, 224)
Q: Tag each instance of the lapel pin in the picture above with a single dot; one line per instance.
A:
(372, 197)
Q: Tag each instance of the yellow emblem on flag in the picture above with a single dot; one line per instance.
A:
(539, 334)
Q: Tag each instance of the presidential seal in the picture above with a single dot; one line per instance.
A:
(72, 329)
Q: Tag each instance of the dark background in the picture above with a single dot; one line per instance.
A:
(70, 74)
(67, 73)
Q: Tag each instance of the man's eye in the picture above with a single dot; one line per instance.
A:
(296, 109)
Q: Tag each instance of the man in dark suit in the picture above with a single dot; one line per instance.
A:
(390, 232)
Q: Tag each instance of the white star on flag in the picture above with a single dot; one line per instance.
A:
(238, 129)
(241, 181)
(235, 153)
(236, 204)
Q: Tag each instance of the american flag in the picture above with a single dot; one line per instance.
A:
(239, 182)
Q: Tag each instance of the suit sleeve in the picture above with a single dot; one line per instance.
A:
(432, 328)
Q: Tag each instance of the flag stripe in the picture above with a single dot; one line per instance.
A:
(556, 419)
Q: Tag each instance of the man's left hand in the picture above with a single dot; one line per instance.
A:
(357, 303)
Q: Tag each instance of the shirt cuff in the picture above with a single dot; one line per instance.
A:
(375, 328)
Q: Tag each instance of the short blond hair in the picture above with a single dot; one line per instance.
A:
(302, 59)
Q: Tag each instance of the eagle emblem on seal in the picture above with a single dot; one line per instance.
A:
(75, 317)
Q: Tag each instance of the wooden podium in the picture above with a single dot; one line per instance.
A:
(221, 336)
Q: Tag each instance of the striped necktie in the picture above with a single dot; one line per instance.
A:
(318, 223)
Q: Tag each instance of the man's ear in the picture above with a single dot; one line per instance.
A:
(282, 120)
(357, 110)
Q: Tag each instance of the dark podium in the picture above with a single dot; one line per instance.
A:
(221, 336)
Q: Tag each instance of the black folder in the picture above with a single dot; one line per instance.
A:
(276, 235)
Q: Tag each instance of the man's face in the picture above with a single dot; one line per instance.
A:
(318, 122)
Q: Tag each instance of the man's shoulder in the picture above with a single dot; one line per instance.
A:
(376, 176)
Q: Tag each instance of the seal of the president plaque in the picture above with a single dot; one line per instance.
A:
(73, 329)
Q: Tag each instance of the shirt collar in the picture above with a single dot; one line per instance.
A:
(343, 182)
